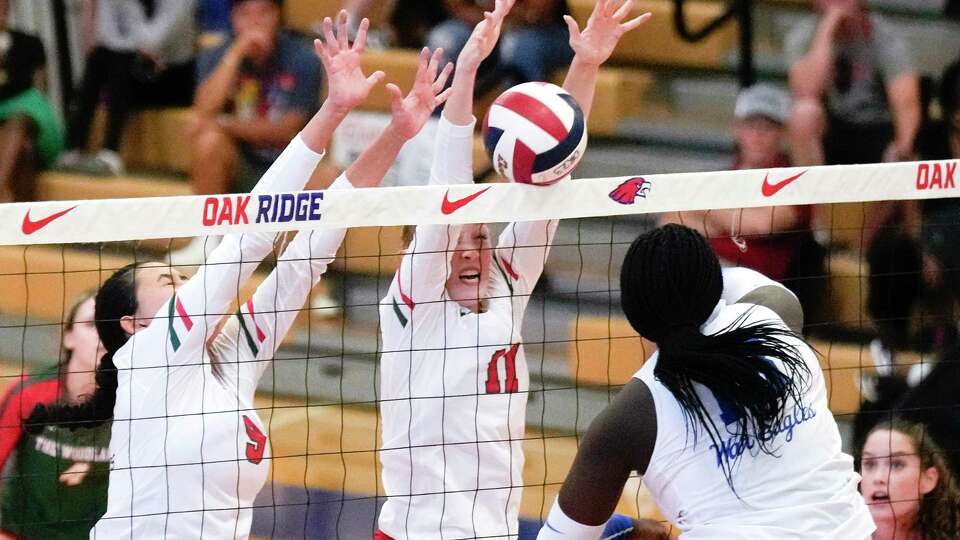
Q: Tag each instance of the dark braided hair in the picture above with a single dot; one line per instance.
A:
(670, 283)
(116, 299)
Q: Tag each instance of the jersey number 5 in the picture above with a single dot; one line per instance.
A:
(509, 357)
(258, 444)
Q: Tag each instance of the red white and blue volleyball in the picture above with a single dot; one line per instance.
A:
(535, 133)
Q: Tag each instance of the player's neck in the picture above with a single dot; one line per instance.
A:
(76, 384)
(895, 530)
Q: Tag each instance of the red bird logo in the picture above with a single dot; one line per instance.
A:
(627, 192)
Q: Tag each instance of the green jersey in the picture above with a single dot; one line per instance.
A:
(35, 502)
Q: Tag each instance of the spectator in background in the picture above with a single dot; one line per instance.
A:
(407, 21)
(923, 257)
(255, 92)
(30, 134)
(775, 241)
(908, 485)
(142, 56)
(55, 484)
(535, 42)
(856, 92)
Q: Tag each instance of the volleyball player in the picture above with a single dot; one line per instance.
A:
(727, 423)
(189, 451)
(56, 486)
(454, 379)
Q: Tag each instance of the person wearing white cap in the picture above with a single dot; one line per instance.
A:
(775, 241)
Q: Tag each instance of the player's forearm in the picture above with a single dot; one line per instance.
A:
(459, 107)
(581, 83)
(372, 165)
(212, 94)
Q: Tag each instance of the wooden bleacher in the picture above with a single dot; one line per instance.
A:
(41, 282)
(656, 43)
(607, 352)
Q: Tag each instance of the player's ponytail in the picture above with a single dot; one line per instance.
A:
(670, 284)
(116, 299)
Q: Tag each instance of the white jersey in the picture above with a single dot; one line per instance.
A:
(189, 451)
(454, 383)
(808, 490)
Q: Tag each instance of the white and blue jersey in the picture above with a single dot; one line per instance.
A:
(808, 489)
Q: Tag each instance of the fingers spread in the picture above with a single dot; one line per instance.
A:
(330, 41)
(375, 78)
(342, 31)
(442, 79)
(631, 24)
(442, 97)
(624, 10)
(361, 42)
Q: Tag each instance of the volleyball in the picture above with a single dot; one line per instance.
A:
(535, 133)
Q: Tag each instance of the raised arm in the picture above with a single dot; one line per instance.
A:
(266, 318)
(199, 305)
(595, 44)
(424, 268)
(522, 248)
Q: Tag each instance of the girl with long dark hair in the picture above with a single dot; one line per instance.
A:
(189, 450)
(727, 422)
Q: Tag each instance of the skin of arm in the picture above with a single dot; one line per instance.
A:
(744, 221)
(261, 132)
(811, 75)
(594, 46)
(607, 455)
(903, 95)
(213, 92)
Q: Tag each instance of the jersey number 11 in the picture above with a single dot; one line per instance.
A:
(511, 384)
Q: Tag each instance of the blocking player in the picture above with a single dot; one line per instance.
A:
(454, 379)
(189, 451)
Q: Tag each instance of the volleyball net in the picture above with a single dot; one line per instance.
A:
(319, 397)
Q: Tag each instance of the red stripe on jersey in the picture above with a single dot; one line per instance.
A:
(510, 271)
(261, 337)
(380, 535)
(406, 299)
(523, 158)
(183, 315)
(535, 111)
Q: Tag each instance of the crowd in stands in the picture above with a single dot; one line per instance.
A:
(853, 95)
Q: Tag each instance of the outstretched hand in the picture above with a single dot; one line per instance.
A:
(484, 37)
(604, 29)
(348, 86)
(410, 113)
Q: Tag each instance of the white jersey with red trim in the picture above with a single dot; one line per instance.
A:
(454, 383)
(189, 451)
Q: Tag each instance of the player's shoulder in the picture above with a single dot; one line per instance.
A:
(729, 316)
(40, 387)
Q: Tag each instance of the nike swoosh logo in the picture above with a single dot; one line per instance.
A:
(30, 226)
(769, 190)
(448, 207)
